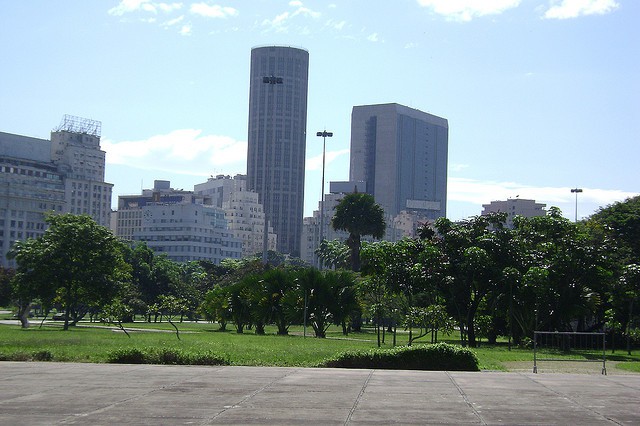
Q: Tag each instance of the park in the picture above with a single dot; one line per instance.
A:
(470, 288)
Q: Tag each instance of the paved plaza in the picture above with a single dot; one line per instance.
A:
(38, 393)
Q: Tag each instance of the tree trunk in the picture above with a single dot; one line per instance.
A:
(23, 315)
(354, 245)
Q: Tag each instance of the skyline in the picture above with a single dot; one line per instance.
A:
(541, 96)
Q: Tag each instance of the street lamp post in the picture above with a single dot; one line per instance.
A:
(324, 134)
(576, 191)
(271, 81)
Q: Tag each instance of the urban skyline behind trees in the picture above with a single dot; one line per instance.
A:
(547, 273)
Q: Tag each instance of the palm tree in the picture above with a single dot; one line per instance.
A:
(358, 214)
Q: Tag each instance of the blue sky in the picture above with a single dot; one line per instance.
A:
(541, 95)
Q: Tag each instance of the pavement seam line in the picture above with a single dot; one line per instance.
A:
(571, 399)
(465, 398)
(251, 395)
(125, 400)
(355, 403)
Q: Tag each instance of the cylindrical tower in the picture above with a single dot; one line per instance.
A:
(277, 138)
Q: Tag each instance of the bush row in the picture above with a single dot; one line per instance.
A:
(164, 356)
(43, 355)
(439, 356)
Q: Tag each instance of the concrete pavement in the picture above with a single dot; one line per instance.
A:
(105, 394)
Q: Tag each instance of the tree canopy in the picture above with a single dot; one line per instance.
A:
(358, 214)
(75, 262)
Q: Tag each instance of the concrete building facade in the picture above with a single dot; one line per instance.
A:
(401, 154)
(515, 207)
(277, 138)
(180, 224)
(244, 214)
(61, 175)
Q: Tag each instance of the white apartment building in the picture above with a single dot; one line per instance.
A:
(245, 215)
(183, 225)
(515, 207)
(63, 175)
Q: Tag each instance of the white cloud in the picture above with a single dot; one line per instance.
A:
(169, 7)
(128, 6)
(281, 21)
(336, 25)
(574, 8)
(173, 22)
(212, 11)
(483, 192)
(185, 30)
(185, 151)
(373, 37)
(466, 10)
(315, 163)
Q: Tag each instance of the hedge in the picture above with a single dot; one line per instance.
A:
(164, 356)
(439, 356)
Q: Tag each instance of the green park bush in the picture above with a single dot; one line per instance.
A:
(164, 356)
(439, 356)
(42, 355)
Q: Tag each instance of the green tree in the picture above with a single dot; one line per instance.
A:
(334, 254)
(272, 304)
(476, 255)
(564, 273)
(621, 222)
(215, 307)
(345, 302)
(6, 293)
(358, 214)
(630, 288)
(79, 259)
(170, 306)
(240, 299)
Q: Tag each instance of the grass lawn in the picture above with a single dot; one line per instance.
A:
(93, 343)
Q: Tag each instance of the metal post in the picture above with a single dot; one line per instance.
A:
(271, 81)
(535, 347)
(324, 134)
(576, 191)
(304, 327)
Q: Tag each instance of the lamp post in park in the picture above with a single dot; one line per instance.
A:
(271, 81)
(576, 191)
(324, 135)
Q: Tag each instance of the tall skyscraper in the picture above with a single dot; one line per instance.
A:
(277, 138)
(401, 155)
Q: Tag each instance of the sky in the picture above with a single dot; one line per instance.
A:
(541, 96)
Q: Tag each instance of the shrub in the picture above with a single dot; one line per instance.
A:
(127, 356)
(439, 356)
(207, 358)
(43, 355)
(164, 356)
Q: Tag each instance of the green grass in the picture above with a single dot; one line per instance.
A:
(95, 343)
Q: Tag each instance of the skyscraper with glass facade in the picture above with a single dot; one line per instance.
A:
(277, 138)
(401, 155)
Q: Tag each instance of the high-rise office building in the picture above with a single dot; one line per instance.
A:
(401, 155)
(277, 138)
(61, 175)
